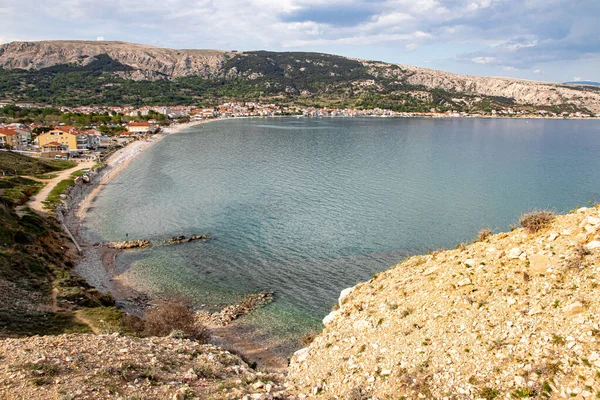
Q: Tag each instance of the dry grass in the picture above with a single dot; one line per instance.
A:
(483, 234)
(579, 253)
(175, 313)
(536, 220)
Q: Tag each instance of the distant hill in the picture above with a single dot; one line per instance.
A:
(85, 73)
(583, 83)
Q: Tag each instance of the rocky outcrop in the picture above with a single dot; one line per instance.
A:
(524, 92)
(512, 316)
(232, 312)
(148, 62)
(183, 239)
(129, 244)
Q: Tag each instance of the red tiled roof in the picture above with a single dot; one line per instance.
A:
(67, 129)
(52, 144)
(8, 131)
(138, 124)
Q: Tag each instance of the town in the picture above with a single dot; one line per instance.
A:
(99, 129)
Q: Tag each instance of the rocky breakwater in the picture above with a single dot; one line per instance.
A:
(235, 311)
(513, 315)
(129, 244)
(183, 239)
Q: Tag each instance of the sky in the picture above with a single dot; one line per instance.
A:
(543, 40)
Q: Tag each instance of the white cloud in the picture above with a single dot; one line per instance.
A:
(538, 71)
(100, 39)
(577, 78)
(527, 36)
(483, 60)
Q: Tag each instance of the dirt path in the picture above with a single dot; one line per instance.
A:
(35, 203)
(80, 318)
(54, 303)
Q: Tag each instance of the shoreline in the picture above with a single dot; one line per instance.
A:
(98, 262)
(98, 265)
(120, 159)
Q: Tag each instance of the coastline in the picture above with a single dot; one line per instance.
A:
(120, 159)
(98, 264)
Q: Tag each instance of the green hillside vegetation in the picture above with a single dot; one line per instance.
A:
(35, 258)
(17, 164)
(33, 261)
(293, 78)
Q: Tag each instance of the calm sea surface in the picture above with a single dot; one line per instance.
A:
(308, 207)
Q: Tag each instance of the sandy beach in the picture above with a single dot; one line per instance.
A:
(120, 159)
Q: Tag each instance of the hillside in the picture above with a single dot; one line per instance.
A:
(38, 291)
(120, 367)
(17, 164)
(81, 73)
(513, 315)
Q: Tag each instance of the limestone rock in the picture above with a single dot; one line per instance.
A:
(330, 317)
(464, 282)
(574, 308)
(344, 294)
(593, 245)
(431, 270)
(515, 252)
(539, 263)
(593, 220)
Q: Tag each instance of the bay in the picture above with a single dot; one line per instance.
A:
(306, 207)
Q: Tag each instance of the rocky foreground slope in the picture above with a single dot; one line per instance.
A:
(515, 315)
(297, 74)
(120, 367)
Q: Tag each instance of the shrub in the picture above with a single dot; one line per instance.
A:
(308, 338)
(489, 393)
(579, 253)
(358, 393)
(536, 220)
(174, 313)
(483, 234)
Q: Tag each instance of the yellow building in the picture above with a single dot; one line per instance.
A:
(66, 136)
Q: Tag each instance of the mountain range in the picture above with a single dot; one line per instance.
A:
(116, 73)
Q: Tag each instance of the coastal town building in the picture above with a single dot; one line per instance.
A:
(66, 136)
(141, 127)
(54, 148)
(10, 138)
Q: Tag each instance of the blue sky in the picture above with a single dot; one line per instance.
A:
(548, 40)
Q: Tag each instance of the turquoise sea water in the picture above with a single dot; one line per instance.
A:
(307, 207)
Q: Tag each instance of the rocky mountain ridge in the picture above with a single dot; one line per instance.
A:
(279, 73)
(149, 62)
